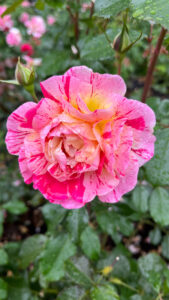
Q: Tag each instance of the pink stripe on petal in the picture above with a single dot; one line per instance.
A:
(53, 88)
(126, 184)
(69, 194)
(36, 160)
(19, 124)
(46, 111)
(25, 171)
(132, 108)
(137, 123)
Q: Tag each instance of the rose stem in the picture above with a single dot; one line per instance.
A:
(152, 64)
(91, 14)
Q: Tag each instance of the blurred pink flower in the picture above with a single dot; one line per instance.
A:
(86, 6)
(27, 48)
(24, 17)
(83, 139)
(51, 20)
(14, 37)
(36, 26)
(26, 4)
(6, 22)
(32, 61)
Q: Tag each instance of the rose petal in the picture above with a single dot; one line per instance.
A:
(19, 124)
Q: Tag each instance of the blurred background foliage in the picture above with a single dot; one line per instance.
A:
(102, 251)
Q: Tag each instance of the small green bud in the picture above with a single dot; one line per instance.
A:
(24, 75)
(122, 40)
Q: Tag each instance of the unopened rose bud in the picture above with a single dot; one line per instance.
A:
(25, 75)
(121, 41)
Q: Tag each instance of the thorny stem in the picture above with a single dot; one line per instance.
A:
(119, 67)
(75, 20)
(150, 39)
(91, 14)
(152, 64)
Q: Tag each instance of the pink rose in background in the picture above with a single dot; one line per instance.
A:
(24, 17)
(27, 48)
(14, 37)
(26, 4)
(86, 6)
(83, 139)
(6, 22)
(36, 26)
(51, 20)
(32, 61)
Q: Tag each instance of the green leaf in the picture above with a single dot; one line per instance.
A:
(140, 197)
(71, 293)
(54, 3)
(53, 215)
(10, 81)
(151, 10)
(164, 108)
(97, 48)
(157, 170)
(54, 62)
(90, 243)
(3, 257)
(56, 252)
(15, 207)
(112, 223)
(149, 263)
(12, 7)
(31, 248)
(159, 206)
(155, 236)
(12, 249)
(120, 265)
(136, 297)
(110, 8)
(154, 103)
(78, 271)
(18, 289)
(40, 4)
(76, 222)
(165, 247)
(106, 292)
(156, 280)
(3, 289)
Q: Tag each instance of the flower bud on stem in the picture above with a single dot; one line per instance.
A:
(25, 75)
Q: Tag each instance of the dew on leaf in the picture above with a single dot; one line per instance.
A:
(138, 12)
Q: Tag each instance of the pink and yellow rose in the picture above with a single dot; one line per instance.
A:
(83, 139)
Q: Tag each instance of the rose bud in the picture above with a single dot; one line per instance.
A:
(25, 75)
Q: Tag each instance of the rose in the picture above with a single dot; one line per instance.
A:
(83, 139)
(27, 48)
(32, 61)
(51, 20)
(36, 26)
(24, 17)
(14, 37)
(26, 4)
(5, 23)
